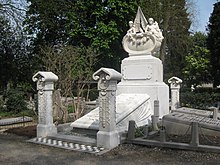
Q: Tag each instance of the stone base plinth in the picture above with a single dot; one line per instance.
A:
(144, 75)
(46, 130)
(156, 91)
(108, 140)
(145, 68)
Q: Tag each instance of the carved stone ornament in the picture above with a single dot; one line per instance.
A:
(104, 76)
(175, 82)
(45, 77)
(143, 37)
(44, 80)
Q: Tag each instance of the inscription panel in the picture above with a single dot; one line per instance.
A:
(137, 72)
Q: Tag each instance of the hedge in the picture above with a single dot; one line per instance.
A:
(201, 98)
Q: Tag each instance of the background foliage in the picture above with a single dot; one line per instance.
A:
(197, 67)
(15, 101)
(201, 98)
(213, 43)
(75, 38)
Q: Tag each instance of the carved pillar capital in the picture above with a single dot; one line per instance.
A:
(107, 79)
(175, 82)
(45, 80)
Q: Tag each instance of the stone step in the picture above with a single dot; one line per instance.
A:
(91, 132)
(68, 144)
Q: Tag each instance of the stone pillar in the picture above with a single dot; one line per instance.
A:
(215, 113)
(195, 134)
(45, 86)
(107, 136)
(131, 130)
(156, 110)
(175, 90)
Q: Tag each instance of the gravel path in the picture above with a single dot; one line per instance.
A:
(15, 150)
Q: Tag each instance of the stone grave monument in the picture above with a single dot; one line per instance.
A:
(142, 73)
(140, 95)
(141, 84)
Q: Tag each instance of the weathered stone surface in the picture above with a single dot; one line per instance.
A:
(180, 124)
(192, 111)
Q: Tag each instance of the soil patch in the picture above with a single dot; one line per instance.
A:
(28, 131)
(15, 150)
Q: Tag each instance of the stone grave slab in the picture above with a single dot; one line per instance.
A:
(15, 120)
(199, 112)
(128, 107)
(180, 124)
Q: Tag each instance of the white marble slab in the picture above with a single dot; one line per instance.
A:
(128, 107)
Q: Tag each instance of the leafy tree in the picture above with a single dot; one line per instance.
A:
(79, 23)
(15, 63)
(13, 11)
(103, 25)
(197, 66)
(213, 43)
(14, 60)
(46, 20)
(7, 52)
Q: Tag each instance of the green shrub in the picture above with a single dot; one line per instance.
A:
(200, 98)
(15, 101)
(70, 109)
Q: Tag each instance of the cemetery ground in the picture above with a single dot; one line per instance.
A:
(14, 149)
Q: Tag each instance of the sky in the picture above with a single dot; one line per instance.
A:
(204, 9)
